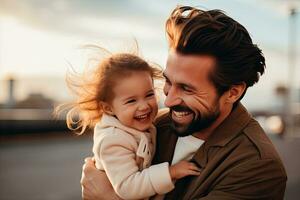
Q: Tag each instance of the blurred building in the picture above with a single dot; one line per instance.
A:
(35, 101)
(32, 114)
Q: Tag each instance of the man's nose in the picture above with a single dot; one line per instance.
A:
(172, 98)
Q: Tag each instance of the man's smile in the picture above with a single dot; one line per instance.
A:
(182, 117)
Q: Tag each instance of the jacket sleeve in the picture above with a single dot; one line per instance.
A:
(258, 179)
(118, 159)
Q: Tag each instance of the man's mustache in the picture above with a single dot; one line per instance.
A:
(179, 108)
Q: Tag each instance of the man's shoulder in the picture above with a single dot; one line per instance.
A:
(260, 140)
(263, 146)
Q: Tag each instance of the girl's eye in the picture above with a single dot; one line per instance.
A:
(130, 101)
(150, 94)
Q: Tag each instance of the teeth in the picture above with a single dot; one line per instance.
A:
(142, 116)
(181, 114)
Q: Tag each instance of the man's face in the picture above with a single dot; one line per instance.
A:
(190, 95)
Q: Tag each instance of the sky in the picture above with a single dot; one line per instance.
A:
(40, 39)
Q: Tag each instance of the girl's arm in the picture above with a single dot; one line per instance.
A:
(117, 156)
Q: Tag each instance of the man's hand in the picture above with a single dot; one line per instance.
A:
(95, 184)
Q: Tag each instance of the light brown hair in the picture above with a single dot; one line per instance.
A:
(94, 87)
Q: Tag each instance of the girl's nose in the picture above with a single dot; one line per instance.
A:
(143, 106)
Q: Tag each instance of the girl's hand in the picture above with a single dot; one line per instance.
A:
(182, 169)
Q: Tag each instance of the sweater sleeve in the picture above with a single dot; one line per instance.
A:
(117, 157)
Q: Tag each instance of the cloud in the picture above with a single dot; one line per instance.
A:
(68, 16)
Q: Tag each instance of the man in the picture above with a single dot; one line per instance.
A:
(211, 63)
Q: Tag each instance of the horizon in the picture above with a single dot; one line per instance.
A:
(47, 86)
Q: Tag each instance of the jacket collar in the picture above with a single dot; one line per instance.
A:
(230, 127)
(224, 133)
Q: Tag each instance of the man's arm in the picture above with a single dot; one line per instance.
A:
(258, 179)
(95, 184)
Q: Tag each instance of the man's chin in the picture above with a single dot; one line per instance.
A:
(181, 130)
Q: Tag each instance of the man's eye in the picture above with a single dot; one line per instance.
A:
(186, 88)
(130, 101)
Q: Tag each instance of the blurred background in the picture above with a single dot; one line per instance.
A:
(39, 40)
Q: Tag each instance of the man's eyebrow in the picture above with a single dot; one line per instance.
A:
(180, 84)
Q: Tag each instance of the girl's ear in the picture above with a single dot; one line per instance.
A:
(235, 92)
(107, 108)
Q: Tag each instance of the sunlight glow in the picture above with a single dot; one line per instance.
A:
(30, 51)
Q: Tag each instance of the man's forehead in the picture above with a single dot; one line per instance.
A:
(189, 64)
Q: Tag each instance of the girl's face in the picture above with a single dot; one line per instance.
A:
(134, 102)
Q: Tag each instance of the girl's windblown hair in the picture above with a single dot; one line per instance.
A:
(95, 86)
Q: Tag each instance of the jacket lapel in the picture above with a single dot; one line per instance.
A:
(231, 127)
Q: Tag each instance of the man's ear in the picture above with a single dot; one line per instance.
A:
(107, 108)
(235, 92)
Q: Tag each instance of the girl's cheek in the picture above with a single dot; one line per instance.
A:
(154, 105)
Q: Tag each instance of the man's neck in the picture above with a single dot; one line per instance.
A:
(205, 133)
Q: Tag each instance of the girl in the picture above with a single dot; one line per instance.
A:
(119, 101)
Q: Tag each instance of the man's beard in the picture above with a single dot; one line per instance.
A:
(200, 121)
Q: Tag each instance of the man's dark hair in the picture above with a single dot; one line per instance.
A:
(199, 32)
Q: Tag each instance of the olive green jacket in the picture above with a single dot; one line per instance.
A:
(238, 161)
